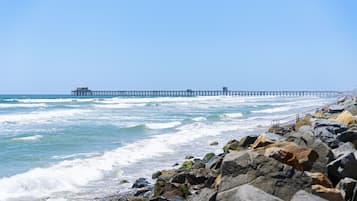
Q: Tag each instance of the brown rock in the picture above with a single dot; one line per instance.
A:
(331, 194)
(320, 179)
(301, 158)
(261, 141)
(345, 117)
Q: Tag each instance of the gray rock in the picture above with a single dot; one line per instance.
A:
(334, 126)
(335, 108)
(305, 196)
(245, 192)
(214, 163)
(348, 136)
(306, 139)
(352, 108)
(156, 175)
(328, 136)
(208, 157)
(213, 143)
(344, 166)
(262, 172)
(140, 183)
(205, 194)
(347, 147)
(348, 187)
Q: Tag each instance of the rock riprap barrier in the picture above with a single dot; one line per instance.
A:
(314, 159)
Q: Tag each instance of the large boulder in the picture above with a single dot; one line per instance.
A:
(245, 192)
(344, 148)
(305, 196)
(243, 143)
(304, 137)
(335, 108)
(262, 172)
(348, 136)
(344, 166)
(261, 141)
(348, 188)
(345, 117)
(328, 136)
(301, 158)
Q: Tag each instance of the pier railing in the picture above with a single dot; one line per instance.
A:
(190, 93)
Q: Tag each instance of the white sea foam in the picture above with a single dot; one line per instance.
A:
(119, 105)
(19, 105)
(28, 138)
(233, 115)
(54, 100)
(163, 125)
(78, 155)
(199, 119)
(70, 175)
(40, 116)
(273, 110)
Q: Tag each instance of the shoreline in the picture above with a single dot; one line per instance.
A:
(306, 154)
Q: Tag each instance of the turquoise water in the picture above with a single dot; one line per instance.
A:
(73, 148)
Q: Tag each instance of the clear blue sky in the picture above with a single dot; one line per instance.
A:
(54, 46)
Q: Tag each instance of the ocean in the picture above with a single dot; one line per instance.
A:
(55, 147)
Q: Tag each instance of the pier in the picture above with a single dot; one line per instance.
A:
(85, 91)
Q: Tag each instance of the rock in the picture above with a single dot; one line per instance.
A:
(345, 117)
(198, 163)
(335, 108)
(344, 166)
(328, 137)
(305, 196)
(348, 188)
(143, 190)
(166, 175)
(246, 141)
(187, 165)
(320, 179)
(304, 137)
(281, 130)
(176, 164)
(231, 145)
(208, 157)
(325, 156)
(352, 109)
(333, 126)
(301, 158)
(348, 136)
(347, 147)
(156, 175)
(189, 157)
(205, 194)
(140, 183)
(215, 143)
(215, 162)
(261, 141)
(303, 122)
(262, 172)
(331, 194)
(124, 181)
(245, 192)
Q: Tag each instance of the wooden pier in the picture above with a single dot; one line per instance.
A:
(85, 91)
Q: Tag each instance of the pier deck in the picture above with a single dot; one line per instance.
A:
(84, 91)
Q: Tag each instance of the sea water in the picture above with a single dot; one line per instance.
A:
(70, 148)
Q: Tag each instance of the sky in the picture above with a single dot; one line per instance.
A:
(51, 47)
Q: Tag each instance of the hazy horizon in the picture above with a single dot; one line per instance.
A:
(52, 47)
